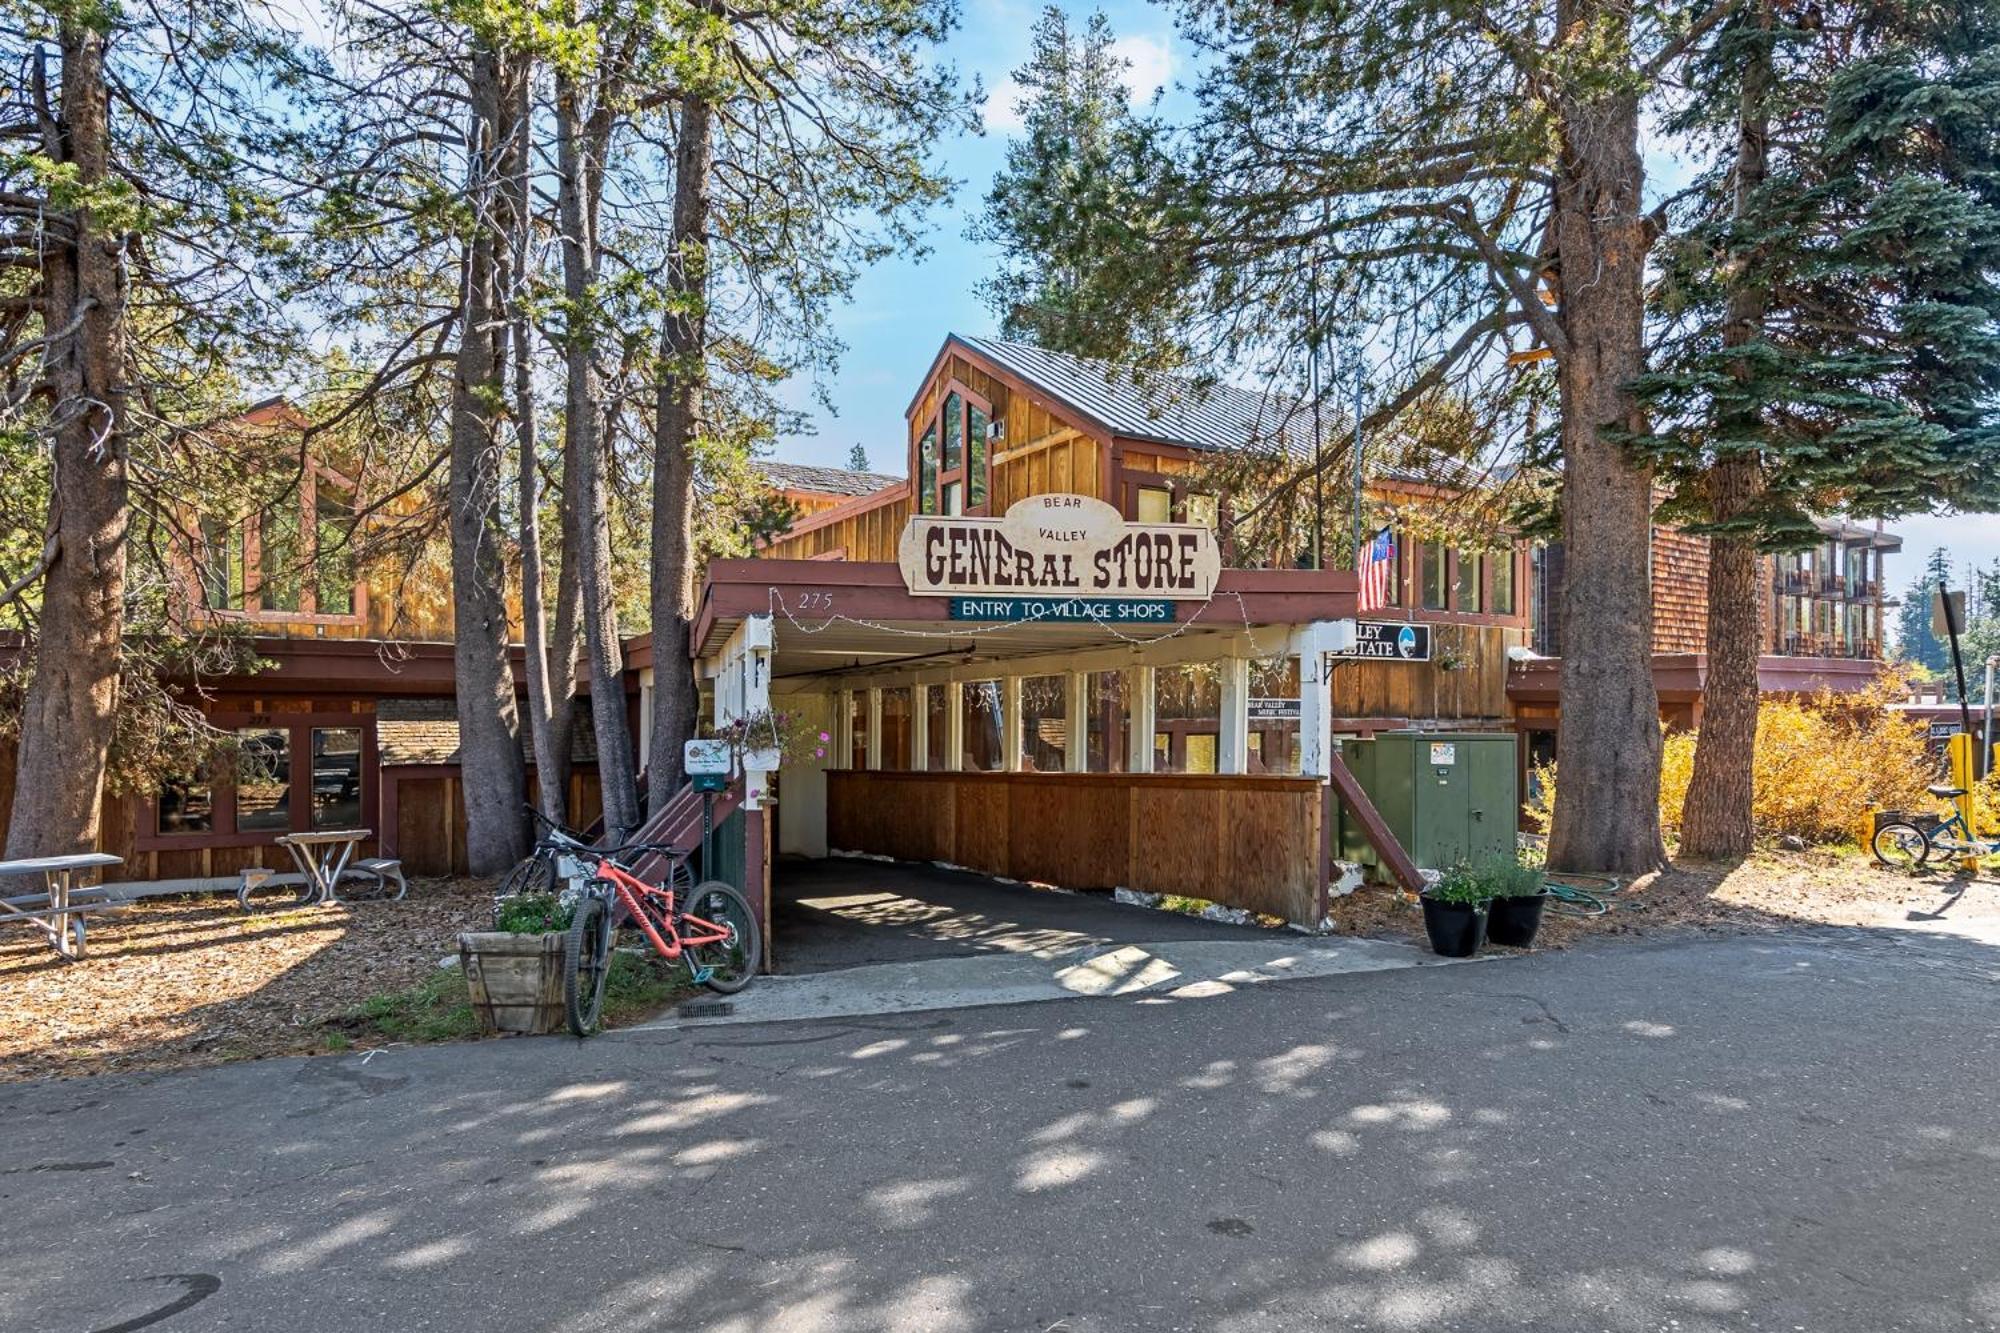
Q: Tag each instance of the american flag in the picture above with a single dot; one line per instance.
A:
(1378, 566)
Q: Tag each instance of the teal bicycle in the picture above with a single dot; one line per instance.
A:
(1906, 841)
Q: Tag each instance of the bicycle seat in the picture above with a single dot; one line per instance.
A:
(1944, 793)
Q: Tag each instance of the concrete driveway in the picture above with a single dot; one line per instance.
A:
(846, 912)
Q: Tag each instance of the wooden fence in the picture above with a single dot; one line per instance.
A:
(1251, 842)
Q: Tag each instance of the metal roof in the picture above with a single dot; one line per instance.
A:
(1170, 409)
(825, 480)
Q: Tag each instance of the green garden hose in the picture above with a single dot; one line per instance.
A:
(1576, 900)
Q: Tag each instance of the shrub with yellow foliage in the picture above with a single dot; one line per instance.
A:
(1822, 765)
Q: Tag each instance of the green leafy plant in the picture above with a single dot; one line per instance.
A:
(531, 914)
(1460, 885)
(1473, 885)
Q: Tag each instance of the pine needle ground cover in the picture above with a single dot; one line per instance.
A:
(182, 982)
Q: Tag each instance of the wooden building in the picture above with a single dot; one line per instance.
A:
(995, 421)
(350, 721)
(1822, 614)
(1188, 755)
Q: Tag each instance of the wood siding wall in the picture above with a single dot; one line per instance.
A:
(1680, 591)
(1478, 691)
(1240, 841)
(871, 534)
(1074, 466)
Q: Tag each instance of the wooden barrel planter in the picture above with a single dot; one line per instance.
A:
(516, 981)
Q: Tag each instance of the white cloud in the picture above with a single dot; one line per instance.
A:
(1150, 64)
(1149, 68)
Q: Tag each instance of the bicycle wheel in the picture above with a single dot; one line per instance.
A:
(534, 875)
(1901, 846)
(586, 964)
(727, 965)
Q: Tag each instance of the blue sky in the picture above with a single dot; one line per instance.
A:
(903, 309)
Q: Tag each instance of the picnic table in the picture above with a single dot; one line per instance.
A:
(58, 910)
(322, 858)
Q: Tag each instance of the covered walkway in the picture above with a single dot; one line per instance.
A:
(844, 912)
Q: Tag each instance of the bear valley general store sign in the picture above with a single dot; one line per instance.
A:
(1058, 546)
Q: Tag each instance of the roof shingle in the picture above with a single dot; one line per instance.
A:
(825, 480)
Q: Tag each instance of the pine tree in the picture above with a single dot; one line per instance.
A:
(1834, 306)
(857, 459)
(1054, 209)
(1917, 642)
(137, 199)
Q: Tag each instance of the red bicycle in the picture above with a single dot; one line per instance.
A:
(710, 925)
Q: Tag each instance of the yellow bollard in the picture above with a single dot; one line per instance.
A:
(1959, 750)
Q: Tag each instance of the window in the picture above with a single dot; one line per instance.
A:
(857, 730)
(1107, 716)
(295, 557)
(1044, 728)
(954, 433)
(185, 806)
(333, 550)
(1273, 735)
(1156, 505)
(290, 774)
(264, 781)
(1399, 568)
(980, 719)
(1187, 718)
(927, 470)
(1471, 578)
(896, 728)
(221, 564)
(952, 455)
(979, 426)
(279, 557)
(937, 704)
(1503, 583)
(336, 777)
(1433, 588)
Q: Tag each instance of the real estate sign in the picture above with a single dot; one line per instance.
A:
(1058, 546)
(1395, 643)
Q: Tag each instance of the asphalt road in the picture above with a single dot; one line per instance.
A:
(1796, 1133)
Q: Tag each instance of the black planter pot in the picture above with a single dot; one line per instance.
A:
(1514, 921)
(1456, 929)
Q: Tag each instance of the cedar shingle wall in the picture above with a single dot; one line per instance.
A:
(1680, 591)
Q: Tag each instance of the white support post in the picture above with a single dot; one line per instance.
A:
(1233, 746)
(954, 725)
(754, 681)
(920, 727)
(1139, 722)
(875, 730)
(1076, 722)
(1310, 644)
(843, 729)
(645, 718)
(1010, 723)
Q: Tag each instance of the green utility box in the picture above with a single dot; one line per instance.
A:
(1448, 796)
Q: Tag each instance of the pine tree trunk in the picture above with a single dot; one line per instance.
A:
(1716, 813)
(683, 352)
(551, 667)
(67, 717)
(1717, 817)
(488, 724)
(584, 464)
(1607, 814)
